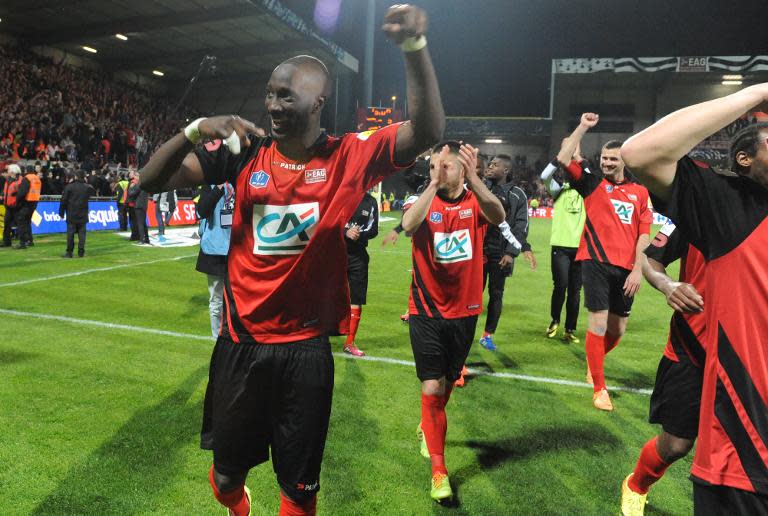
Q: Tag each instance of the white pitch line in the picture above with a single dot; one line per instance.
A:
(100, 324)
(89, 271)
(367, 358)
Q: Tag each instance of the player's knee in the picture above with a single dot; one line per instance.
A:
(433, 387)
(225, 483)
(597, 329)
(674, 448)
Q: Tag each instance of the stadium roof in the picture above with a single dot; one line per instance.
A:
(248, 37)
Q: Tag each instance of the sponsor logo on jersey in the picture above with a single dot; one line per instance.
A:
(259, 179)
(436, 217)
(609, 188)
(624, 210)
(465, 214)
(284, 229)
(289, 166)
(453, 247)
(473, 307)
(632, 197)
(316, 175)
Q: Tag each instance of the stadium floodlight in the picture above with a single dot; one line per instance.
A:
(158, 73)
(735, 77)
(494, 140)
(122, 37)
(731, 83)
(90, 49)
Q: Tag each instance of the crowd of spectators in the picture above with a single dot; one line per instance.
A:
(57, 118)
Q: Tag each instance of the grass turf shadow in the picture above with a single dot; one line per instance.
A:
(139, 457)
(537, 441)
(12, 356)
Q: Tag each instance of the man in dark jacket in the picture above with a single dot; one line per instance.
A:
(141, 200)
(500, 250)
(74, 206)
(363, 226)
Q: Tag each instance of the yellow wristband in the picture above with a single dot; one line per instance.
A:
(413, 44)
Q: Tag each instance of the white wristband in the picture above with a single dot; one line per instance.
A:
(192, 132)
(233, 143)
(413, 44)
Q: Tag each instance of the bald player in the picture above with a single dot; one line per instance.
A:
(271, 374)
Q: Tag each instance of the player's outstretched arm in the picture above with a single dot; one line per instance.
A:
(652, 154)
(406, 26)
(174, 165)
(492, 209)
(681, 297)
(571, 145)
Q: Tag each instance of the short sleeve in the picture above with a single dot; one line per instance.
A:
(716, 210)
(373, 153)
(409, 202)
(696, 198)
(588, 182)
(646, 216)
(668, 245)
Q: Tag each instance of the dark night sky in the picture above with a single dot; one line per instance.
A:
(493, 57)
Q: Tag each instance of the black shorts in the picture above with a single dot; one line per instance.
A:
(440, 346)
(604, 288)
(270, 395)
(357, 274)
(676, 398)
(709, 500)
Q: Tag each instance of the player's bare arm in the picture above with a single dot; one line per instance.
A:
(635, 278)
(681, 297)
(490, 206)
(571, 146)
(174, 165)
(652, 154)
(406, 25)
(415, 215)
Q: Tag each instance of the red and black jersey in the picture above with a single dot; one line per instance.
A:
(287, 257)
(617, 214)
(725, 216)
(686, 331)
(448, 259)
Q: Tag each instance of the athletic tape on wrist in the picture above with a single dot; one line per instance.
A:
(192, 131)
(413, 44)
(233, 143)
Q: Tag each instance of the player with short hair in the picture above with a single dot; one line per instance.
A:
(616, 232)
(500, 252)
(676, 397)
(448, 223)
(724, 214)
(271, 375)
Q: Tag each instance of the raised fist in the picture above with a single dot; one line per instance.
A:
(404, 21)
(589, 119)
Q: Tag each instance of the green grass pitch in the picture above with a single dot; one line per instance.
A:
(99, 419)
